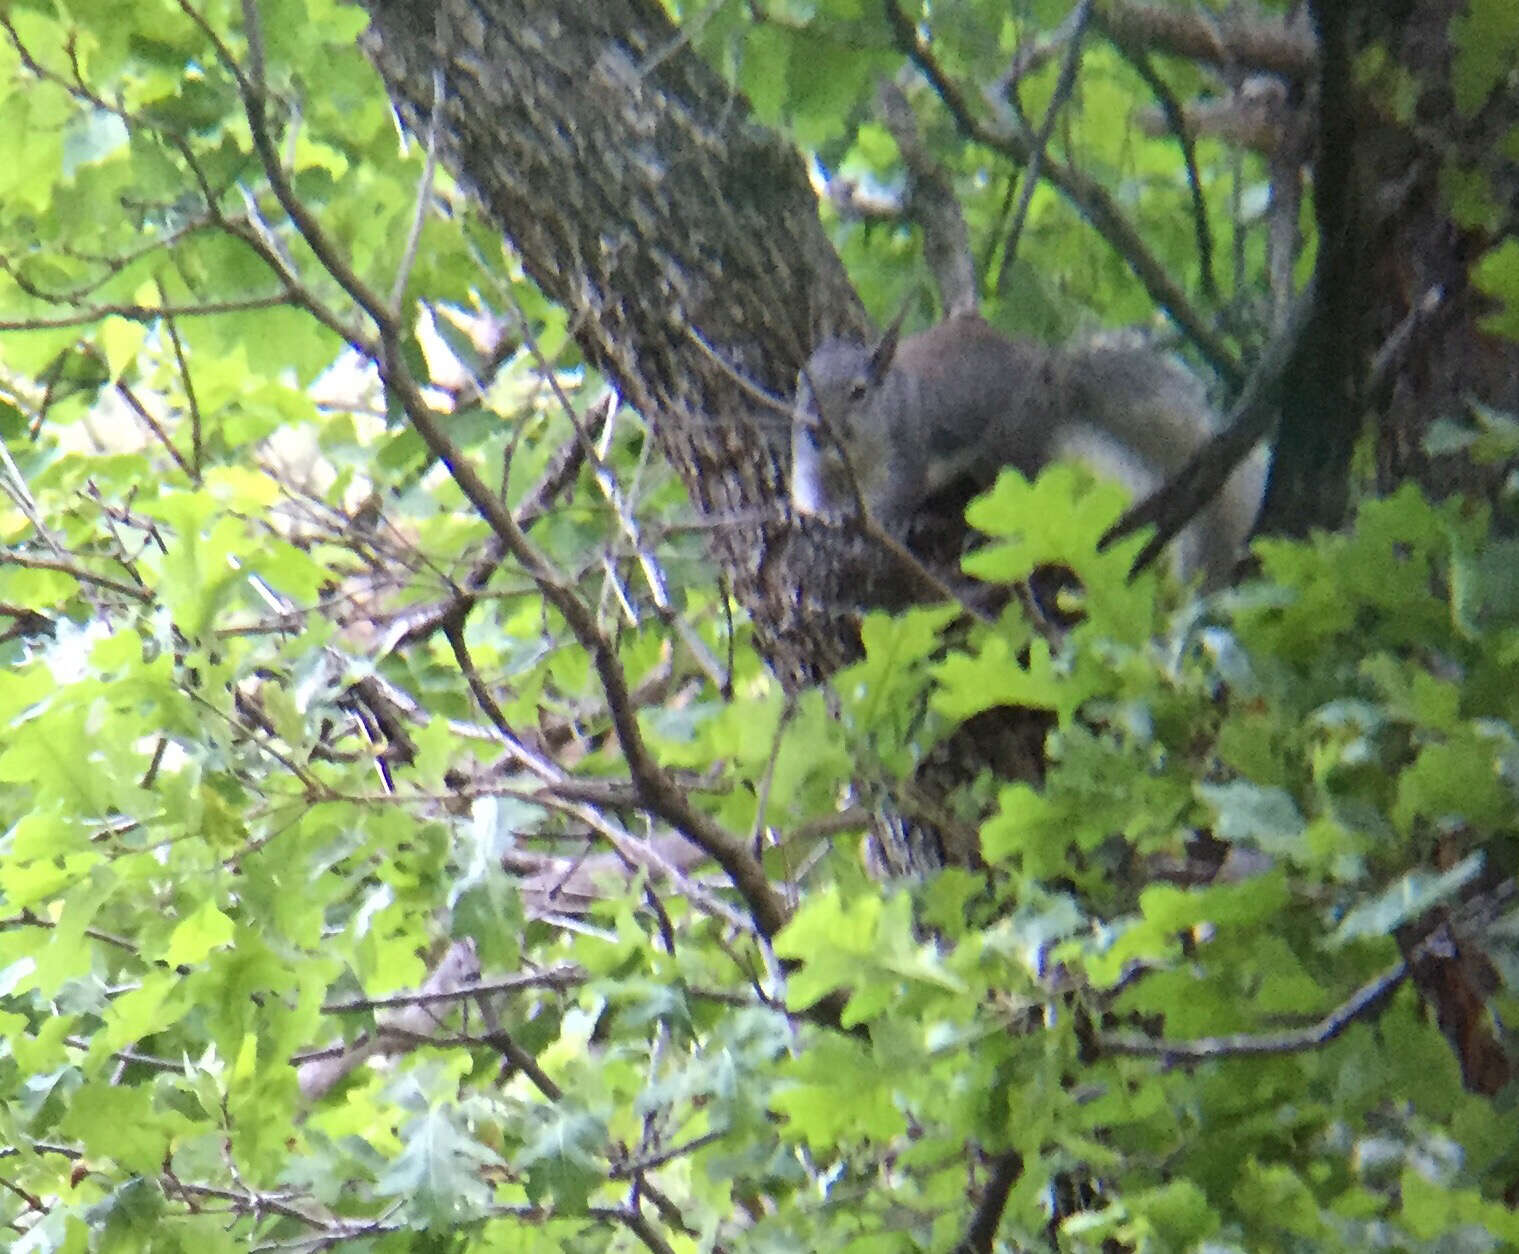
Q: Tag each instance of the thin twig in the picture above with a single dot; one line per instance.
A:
(1177, 123)
(563, 976)
(1090, 199)
(638, 1224)
(651, 1161)
(501, 1040)
(141, 595)
(142, 313)
(424, 196)
(154, 426)
(659, 793)
(1064, 85)
(636, 854)
(1366, 1001)
(188, 383)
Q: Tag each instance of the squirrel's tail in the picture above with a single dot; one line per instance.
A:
(1143, 415)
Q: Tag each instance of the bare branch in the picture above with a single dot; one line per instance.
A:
(424, 196)
(1366, 1001)
(137, 593)
(931, 203)
(659, 793)
(188, 383)
(1064, 85)
(143, 313)
(563, 976)
(1240, 39)
(982, 1230)
(1090, 199)
(154, 426)
(517, 1057)
(1177, 124)
(415, 1020)
(634, 1166)
(1172, 506)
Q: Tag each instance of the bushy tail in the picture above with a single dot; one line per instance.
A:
(1142, 414)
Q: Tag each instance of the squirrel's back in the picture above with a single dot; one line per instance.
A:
(961, 400)
(984, 398)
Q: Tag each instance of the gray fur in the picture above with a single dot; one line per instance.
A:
(962, 400)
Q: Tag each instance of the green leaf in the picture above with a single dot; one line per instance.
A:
(1430, 1211)
(207, 929)
(562, 1159)
(130, 1216)
(831, 935)
(995, 675)
(438, 1172)
(1060, 519)
(1275, 1199)
(122, 1124)
(1497, 275)
(1266, 818)
(837, 1096)
(1457, 779)
(1408, 898)
(1178, 1213)
(1484, 591)
(1485, 36)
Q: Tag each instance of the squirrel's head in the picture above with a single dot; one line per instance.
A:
(841, 421)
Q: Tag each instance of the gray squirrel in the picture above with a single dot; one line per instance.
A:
(961, 400)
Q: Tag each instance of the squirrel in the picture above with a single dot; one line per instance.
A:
(961, 400)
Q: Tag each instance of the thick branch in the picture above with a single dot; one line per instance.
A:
(1178, 501)
(1321, 413)
(1233, 41)
(641, 196)
(981, 1232)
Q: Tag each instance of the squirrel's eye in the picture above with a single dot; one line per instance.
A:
(857, 390)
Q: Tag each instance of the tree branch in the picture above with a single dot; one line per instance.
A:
(659, 794)
(1366, 1001)
(1064, 85)
(931, 203)
(981, 1232)
(1088, 197)
(1231, 42)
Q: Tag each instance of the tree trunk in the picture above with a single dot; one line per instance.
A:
(677, 231)
(642, 196)
(1396, 331)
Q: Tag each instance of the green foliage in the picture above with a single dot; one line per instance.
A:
(252, 800)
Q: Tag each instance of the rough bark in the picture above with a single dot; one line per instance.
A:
(1418, 247)
(642, 196)
(1396, 332)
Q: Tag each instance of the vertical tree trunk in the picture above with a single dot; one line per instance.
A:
(642, 196)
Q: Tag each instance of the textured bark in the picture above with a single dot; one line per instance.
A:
(642, 196)
(1320, 409)
(1388, 243)
(1416, 246)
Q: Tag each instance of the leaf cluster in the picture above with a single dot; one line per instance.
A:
(333, 916)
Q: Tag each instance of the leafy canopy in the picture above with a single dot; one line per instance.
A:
(284, 739)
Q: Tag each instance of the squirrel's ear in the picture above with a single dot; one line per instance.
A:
(885, 351)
